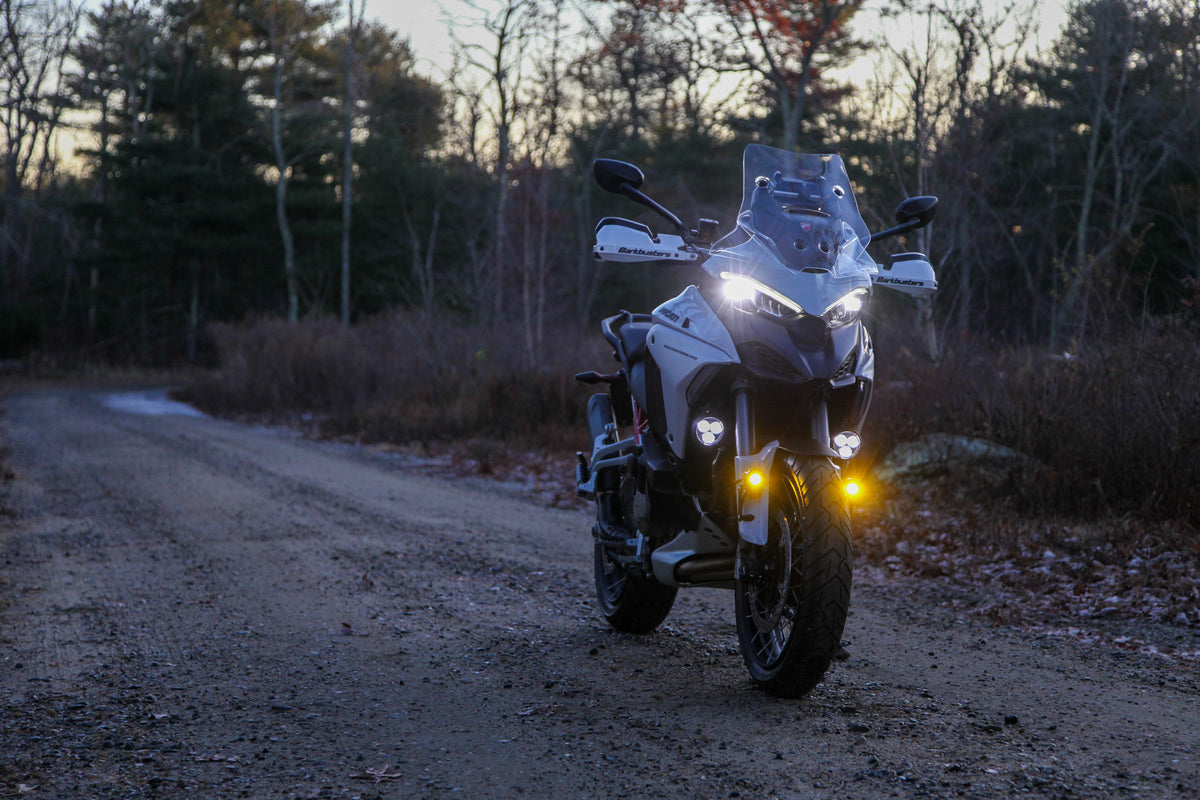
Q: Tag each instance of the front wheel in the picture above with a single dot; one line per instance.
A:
(793, 593)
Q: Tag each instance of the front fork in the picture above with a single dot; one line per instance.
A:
(752, 470)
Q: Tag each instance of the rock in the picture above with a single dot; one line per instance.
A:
(941, 452)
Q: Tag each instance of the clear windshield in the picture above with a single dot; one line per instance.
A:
(799, 230)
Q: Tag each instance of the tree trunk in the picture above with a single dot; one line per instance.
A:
(348, 155)
(281, 187)
(1073, 312)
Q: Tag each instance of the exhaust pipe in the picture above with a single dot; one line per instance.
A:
(705, 569)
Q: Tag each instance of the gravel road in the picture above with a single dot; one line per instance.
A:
(195, 608)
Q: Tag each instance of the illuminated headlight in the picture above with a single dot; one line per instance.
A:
(847, 444)
(747, 294)
(738, 289)
(709, 430)
(848, 309)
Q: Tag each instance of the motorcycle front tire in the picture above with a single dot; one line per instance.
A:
(791, 607)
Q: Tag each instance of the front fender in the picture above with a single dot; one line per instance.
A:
(754, 502)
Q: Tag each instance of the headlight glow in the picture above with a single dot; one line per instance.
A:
(747, 294)
(738, 289)
(848, 309)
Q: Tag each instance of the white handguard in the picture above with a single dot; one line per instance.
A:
(624, 240)
(910, 273)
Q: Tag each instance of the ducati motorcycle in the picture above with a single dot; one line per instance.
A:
(718, 446)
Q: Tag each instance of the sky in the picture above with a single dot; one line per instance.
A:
(425, 24)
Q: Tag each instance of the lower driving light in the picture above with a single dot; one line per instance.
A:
(847, 444)
(754, 479)
(852, 488)
(709, 430)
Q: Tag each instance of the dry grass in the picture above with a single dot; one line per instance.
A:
(1111, 431)
(397, 378)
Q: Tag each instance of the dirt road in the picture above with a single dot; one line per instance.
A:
(194, 608)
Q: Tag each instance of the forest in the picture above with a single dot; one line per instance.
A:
(280, 189)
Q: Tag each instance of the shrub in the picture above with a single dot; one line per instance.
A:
(398, 378)
(1114, 429)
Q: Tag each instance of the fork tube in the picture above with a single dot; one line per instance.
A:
(820, 423)
(743, 425)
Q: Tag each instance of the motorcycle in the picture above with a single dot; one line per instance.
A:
(767, 349)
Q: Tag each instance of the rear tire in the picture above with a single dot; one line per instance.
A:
(631, 603)
(791, 607)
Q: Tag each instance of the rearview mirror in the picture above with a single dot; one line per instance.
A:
(613, 175)
(918, 210)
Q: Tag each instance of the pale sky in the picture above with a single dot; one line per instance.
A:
(424, 23)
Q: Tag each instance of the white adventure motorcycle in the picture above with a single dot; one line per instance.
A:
(717, 450)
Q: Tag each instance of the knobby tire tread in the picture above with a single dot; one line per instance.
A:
(825, 580)
(643, 605)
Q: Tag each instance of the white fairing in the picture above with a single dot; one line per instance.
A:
(687, 337)
(633, 242)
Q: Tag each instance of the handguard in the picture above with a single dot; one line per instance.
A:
(908, 273)
(624, 240)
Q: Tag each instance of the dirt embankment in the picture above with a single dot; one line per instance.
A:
(192, 608)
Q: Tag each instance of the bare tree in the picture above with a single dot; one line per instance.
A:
(35, 41)
(1107, 85)
(354, 22)
(501, 61)
(289, 26)
(781, 41)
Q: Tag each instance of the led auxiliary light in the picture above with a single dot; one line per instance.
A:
(709, 430)
(847, 444)
(754, 479)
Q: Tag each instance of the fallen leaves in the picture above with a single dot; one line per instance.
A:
(348, 630)
(1038, 574)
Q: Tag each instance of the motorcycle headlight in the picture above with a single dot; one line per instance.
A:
(848, 309)
(747, 294)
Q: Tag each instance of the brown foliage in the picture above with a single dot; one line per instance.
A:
(1112, 430)
(396, 378)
